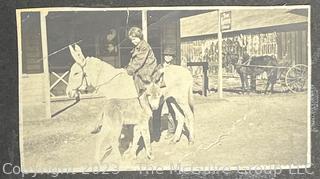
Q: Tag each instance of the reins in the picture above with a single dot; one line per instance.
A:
(102, 84)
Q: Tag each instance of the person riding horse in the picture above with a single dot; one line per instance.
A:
(141, 67)
(143, 62)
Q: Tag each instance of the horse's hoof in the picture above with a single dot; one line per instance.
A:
(125, 156)
(150, 157)
(191, 142)
(129, 157)
(128, 154)
(168, 136)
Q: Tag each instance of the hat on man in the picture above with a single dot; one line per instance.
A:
(169, 51)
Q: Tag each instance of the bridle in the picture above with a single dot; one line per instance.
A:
(84, 78)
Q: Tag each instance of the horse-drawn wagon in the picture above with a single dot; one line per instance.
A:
(294, 78)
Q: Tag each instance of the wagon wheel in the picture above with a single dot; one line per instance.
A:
(297, 77)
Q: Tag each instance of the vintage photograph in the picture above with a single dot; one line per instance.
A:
(164, 88)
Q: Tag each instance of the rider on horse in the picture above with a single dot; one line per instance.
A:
(141, 66)
(143, 62)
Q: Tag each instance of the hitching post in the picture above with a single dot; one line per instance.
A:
(44, 44)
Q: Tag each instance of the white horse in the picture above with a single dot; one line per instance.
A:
(116, 83)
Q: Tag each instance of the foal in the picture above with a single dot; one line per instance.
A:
(116, 113)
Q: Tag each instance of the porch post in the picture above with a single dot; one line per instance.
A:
(44, 45)
(145, 24)
(220, 92)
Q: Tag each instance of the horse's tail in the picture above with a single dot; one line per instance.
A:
(190, 99)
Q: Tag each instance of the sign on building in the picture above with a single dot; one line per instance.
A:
(225, 20)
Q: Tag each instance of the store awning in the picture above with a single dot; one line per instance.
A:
(241, 19)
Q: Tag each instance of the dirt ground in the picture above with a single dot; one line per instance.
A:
(239, 130)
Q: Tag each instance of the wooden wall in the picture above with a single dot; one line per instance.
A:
(32, 80)
(32, 96)
(289, 44)
(293, 44)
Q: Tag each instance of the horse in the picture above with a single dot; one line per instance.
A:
(92, 73)
(178, 94)
(252, 66)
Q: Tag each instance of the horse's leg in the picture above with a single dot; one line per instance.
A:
(144, 128)
(98, 125)
(189, 121)
(111, 133)
(103, 145)
(115, 141)
(242, 82)
(100, 141)
(253, 82)
(143, 122)
(272, 87)
(132, 150)
(156, 124)
(171, 122)
(245, 79)
(180, 122)
(274, 79)
(267, 86)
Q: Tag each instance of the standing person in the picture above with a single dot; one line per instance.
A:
(169, 55)
(168, 59)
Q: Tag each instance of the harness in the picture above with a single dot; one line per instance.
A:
(84, 76)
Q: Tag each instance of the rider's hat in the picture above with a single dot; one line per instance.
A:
(169, 51)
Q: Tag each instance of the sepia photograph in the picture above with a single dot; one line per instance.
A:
(194, 88)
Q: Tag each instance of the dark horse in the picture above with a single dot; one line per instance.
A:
(253, 66)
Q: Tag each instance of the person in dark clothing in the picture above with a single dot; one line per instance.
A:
(168, 59)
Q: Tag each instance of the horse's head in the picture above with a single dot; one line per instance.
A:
(230, 59)
(154, 90)
(77, 76)
(233, 58)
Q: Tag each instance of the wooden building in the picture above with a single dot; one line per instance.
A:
(44, 58)
(44, 35)
(278, 32)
